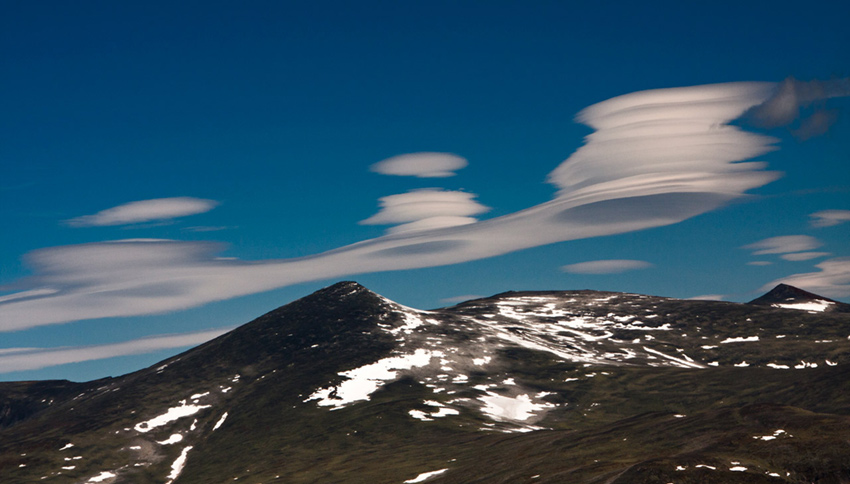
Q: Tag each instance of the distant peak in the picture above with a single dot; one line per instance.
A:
(345, 285)
(342, 289)
(787, 293)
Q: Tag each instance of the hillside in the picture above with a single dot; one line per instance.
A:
(555, 386)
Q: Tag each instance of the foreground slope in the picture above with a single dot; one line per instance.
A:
(347, 386)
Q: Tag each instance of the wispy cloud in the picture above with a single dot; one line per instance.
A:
(784, 244)
(145, 211)
(656, 158)
(204, 228)
(828, 218)
(759, 263)
(815, 125)
(422, 165)
(790, 96)
(610, 266)
(833, 279)
(20, 359)
(799, 256)
(426, 209)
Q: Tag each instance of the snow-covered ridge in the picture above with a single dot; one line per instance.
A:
(458, 349)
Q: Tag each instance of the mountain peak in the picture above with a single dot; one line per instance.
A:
(790, 297)
(343, 288)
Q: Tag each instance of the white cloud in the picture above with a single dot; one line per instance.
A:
(145, 211)
(669, 136)
(784, 244)
(422, 165)
(611, 266)
(828, 218)
(798, 256)
(833, 280)
(759, 263)
(656, 158)
(426, 209)
(20, 359)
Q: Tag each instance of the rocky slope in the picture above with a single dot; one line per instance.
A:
(347, 386)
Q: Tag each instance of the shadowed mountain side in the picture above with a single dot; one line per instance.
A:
(546, 386)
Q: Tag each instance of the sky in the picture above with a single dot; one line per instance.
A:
(171, 170)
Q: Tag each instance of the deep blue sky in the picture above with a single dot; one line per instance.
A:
(276, 111)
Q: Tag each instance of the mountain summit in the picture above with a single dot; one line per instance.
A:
(345, 385)
(790, 297)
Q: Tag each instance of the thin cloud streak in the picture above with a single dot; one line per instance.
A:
(708, 297)
(460, 299)
(656, 158)
(611, 266)
(158, 209)
(21, 359)
(799, 256)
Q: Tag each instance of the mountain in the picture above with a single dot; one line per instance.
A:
(347, 386)
(790, 297)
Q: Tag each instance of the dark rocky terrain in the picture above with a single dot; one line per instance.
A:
(577, 386)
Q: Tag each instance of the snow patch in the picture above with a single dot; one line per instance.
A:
(171, 415)
(220, 421)
(425, 475)
(740, 339)
(362, 382)
(519, 407)
(171, 440)
(776, 433)
(101, 477)
(818, 305)
(178, 465)
(679, 362)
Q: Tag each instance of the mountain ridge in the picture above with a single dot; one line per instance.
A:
(344, 385)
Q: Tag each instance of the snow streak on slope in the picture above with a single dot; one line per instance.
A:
(814, 306)
(361, 382)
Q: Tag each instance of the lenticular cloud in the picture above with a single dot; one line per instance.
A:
(426, 209)
(648, 140)
(422, 165)
(656, 158)
(145, 211)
